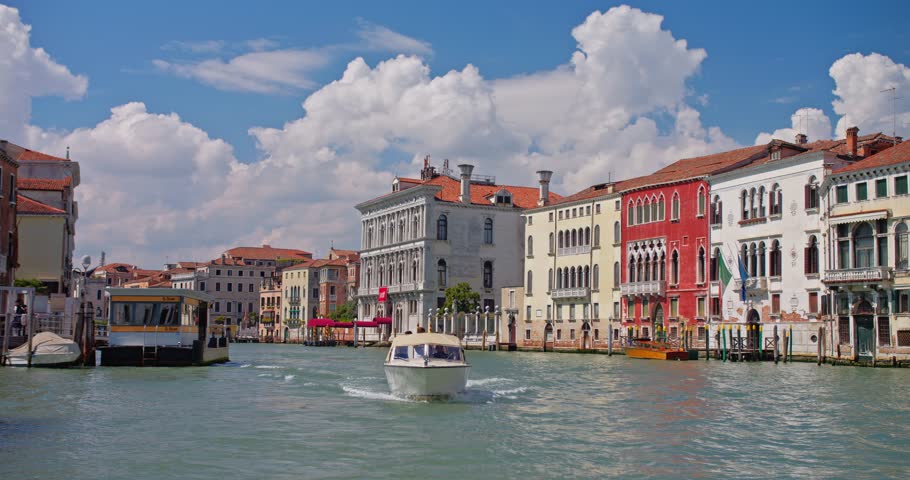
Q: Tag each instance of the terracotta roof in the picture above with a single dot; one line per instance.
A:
(231, 262)
(323, 262)
(409, 180)
(31, 206)
(113, 267)
(266, 252)
(894, 155)
(299, 266)
(522, 197)
(350, 255)
(140, 272)
(21, 154)
(44, 183)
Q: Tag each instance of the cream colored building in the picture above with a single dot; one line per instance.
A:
(299, 299)
(571, 290)
(868, 276)
(42, 231)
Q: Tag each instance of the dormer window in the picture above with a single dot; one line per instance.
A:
(503, 197)
(395, 185)
(775, 155)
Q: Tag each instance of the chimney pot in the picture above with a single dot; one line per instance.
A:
(801, 138)
(852, 136)
(466, 170)
(544, 179)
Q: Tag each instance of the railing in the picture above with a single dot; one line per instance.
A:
(294, 300)
(569, 293)
(578, 250)
(755, 283)
(857, 275)
(651, 287)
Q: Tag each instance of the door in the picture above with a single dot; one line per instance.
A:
(659, 331)
(752, 340)
(512, 340)
(287, 334)
(865, 336)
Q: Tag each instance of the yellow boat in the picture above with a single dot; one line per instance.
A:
(653, 350)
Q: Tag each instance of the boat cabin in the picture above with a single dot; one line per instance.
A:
(425, 346)
(162, 326)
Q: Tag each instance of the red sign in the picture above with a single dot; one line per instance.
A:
(383, 293)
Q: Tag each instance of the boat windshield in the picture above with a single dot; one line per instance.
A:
(443, 352)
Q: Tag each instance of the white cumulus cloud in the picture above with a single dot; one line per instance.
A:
(809, 121)
(860, 81)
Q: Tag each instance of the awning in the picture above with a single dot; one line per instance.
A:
(383, 320)
(366, 323)
(320, 322)
(343, 324)
(857, 217)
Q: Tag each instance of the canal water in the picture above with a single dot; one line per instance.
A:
(287, 411)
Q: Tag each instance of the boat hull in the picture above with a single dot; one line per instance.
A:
(427, 382)
(45, 359)
(654, 354)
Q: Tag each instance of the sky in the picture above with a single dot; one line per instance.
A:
(204, 125)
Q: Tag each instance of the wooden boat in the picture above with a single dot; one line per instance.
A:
(654, 350)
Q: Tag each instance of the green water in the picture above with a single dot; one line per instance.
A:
(286, 411)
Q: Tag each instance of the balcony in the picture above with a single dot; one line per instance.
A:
(569, 293)
(651, 287)
(858, 275)
(579, 250)
(294, 300)
(752, 284)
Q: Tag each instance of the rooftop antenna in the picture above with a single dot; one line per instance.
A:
(893, 113)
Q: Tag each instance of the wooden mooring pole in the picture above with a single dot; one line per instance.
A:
(776, 351)
(820, 341)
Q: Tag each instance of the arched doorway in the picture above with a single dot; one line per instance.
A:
(657, 323)
(287, 334)
(547, 335)
(865, 329)
(585, 336)
(753, 320)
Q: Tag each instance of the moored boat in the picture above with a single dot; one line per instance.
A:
(654, 350)
(426, 365)
(48, 350)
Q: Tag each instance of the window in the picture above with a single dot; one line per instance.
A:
(559, 334)
(487, 274)
(527, 312)
(631, 215)
(530, 245)
(776, 197)
(488, 231)
(861, 193)
(530, 220)
(217, 272)
(228, 305)
(776, 259)
(813, 302)
(217, 306)
(551, 216)
(201, 286)
(588, 210)
(674, 307)
(702, 200)
(884, 332)
(900, 185)
(617, 233)
(441, 276)
(700, 269)
(743, 198)
(630, 308)
(572, 334)
(549, 312)
(230, 272)
(701, 307)
(775, 303)
(442, 228)
(863, 246)
(596, 310)
(550, 280)
(881, 188)
(616, 275)
(217, 286)
(530, 283)
(572, 312)
(596, 277)
(674, 215)
(716, 214)
(842, 194)
(527, 334)
(660, 208)
(674, 268)
(596, 235)
(239, 273)
(903, 301)
(843, 330)
(811, 256)
(901, 246)
(811, 194)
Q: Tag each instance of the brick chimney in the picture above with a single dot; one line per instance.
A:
(852, 136)
(466, 170)
(544, 179)
(801, 139)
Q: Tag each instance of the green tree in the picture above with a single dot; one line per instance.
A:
(461, 298)
(345, 312)
(40, 288)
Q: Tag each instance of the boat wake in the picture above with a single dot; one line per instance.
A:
(486, 381)
(268, 367)
(371, 395)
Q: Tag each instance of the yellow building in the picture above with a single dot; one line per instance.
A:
(299, 300)
(43, 231)
(868, 276)
(571, 290)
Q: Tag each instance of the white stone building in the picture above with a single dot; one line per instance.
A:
(437, 231)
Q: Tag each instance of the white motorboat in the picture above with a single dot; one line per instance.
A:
(426, 365)
(48, 350)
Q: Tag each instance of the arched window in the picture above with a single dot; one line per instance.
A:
(632, 270)
(810, 259)
(369, 277)
(414, 228)
(715, 266)
(700, 270)
(581, 277)
(674, 212)
(370, 237)
(901, 247)
(744, 200)
(753, 260)
(702, 201)
(654, 216)
(550, 280)
(761, 202)
(574, 238)
(442, 228)
(660, 208)
(572, 278)
(617, 233)
(530, 246)
(639, 272)
(744, 255)
(587, 277)
(391, 232)
(674, 268)
(565, 277)
(558, 278)
(811, 193)
(588, 236)
(639, 212)
(753, 205)
(761, 259)
(551, 242)
(414, 271)
(529, 285)
(596, 273)
(631, 214)
(776, 259)
(597, 235)
(647, 211)
(561, 244)
(663, 267)
(381, 234)
(616, 278)
(863, 246)
(441, 273)
(488, 231)
(716, 217)
(381, 276)
(647, 268)
(488, 274)
(400, 273)
(777, 199)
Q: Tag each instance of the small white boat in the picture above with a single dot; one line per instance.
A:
(48, 350)
(426, 365)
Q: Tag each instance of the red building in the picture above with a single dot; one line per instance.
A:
(665, 244)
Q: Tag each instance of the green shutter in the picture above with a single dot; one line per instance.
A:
(900, 185)
(881, 188)
(861, 193)
(842, 194)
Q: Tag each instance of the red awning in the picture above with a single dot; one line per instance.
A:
(366, 323)
(383, 320)
(343, 324)
(320, 322)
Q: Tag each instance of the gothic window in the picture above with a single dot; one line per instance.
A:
(660, 208)
(743, 198)
(588, 236)
(551, 242)
(441, 274)
(488, 231)
(811, 256)
(442, 228)
(776, 259)
(701, 265)
(674, 268)
(674, 215)
(487, 274)
(529, 285)
(530, 246)
(617, 233)
(761, 259)
(631, 214)
(702, 201)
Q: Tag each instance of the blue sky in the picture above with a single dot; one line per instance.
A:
(758, 52)
(188, 123)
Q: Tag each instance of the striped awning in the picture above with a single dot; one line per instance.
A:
(858, 217)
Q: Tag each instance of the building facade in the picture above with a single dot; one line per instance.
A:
(9, 235)
(867, 270)
(436, 232)
(271, 325)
